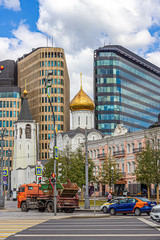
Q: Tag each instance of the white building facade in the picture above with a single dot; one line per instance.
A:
(25, 153)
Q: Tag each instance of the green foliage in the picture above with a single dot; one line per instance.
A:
(109, 173)
(72, 168)
(145, 165)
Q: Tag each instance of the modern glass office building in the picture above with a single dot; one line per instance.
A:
(10, 105)
(126, 90)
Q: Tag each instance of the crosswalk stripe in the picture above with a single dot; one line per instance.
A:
(11, 227)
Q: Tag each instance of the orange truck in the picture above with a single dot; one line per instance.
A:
(41, 197)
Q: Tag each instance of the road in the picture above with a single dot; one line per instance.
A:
(110, 228)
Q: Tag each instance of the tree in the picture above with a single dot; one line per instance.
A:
(144, 168)
(109, 172)
(72, 167)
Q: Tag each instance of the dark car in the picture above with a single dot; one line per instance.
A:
(136, 205)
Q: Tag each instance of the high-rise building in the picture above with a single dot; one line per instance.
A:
(126, 90)
(33, 68)
(10, 105)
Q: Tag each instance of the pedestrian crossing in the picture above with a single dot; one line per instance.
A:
(11, 227)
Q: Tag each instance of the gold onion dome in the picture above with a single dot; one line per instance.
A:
(82, 102)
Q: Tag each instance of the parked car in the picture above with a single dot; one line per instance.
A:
(136, 205)
(105, 206)
(155, 213)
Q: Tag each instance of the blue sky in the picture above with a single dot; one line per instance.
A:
(80, 26)
(10, 19)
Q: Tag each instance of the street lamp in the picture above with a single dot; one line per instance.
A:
(87, 204)
(112, 168)
(48, 84)
(9, 190)
(3, 133)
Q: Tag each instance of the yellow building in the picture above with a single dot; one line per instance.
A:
(34, 68)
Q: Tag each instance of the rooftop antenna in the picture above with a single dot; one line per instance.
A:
(47, 40)
(52, 41)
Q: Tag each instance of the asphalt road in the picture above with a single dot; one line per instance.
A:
(116, 227)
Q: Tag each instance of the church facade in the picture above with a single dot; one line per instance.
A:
(25, 148)
(82, 114)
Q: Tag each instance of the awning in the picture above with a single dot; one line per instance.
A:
(121, 182)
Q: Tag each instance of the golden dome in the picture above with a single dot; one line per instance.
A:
(82, 102)
(25, 92)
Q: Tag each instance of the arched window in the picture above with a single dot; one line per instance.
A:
(20, 133)
(78, 120)
(28, 131)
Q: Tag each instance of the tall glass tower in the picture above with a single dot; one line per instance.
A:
(126, 90)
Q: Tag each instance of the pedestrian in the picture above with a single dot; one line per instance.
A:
(109, 197)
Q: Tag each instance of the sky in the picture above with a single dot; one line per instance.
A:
(80, 27)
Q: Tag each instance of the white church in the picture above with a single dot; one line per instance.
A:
(25, 143)
(82, 114)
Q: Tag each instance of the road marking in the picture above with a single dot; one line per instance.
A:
(87, 235)
(150, 223)
(98, 229)
(11, 227)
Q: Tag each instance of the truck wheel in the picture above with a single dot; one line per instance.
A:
(71, 210)
(41, 209)
(24, 207)
(66, 210)
(50, 207)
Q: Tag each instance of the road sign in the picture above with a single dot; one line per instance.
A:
(4, 178)
(5, 172)
(56, 152)
(38, 171)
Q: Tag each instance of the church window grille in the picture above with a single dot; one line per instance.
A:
(86, 120)
(28, 131)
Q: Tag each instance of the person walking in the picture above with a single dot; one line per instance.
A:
(109, 197)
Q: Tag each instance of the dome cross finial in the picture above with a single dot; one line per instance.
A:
(81, 80)
(25, 91)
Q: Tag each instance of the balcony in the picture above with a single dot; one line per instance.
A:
(102, 156)
(137, 150)
(119, 153)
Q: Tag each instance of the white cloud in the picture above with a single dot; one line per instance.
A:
(22, 42)
(154, 57)
(11, 4)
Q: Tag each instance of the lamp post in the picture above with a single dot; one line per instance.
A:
(3, 133)
(48, 84)
(112, 168)
(9, 190)
(87, 204)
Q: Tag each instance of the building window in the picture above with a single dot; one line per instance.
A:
(122, 167)
(133, 167)
(20, 133)
(86, 120)
(139, 145)
(79, 120)
(129, 167)
(28, 131)
(128, 148)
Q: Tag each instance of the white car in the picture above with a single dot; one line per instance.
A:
(155, 213)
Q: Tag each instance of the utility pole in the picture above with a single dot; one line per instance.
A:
(48, 86)
(3, 133)
(9, 190)
(87, 204)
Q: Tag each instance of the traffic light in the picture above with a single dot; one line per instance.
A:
(48, 81)
(53, 177)
(39, 180)
(59, 170)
